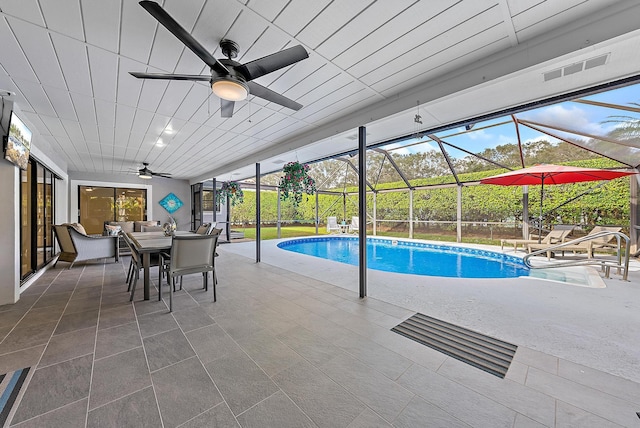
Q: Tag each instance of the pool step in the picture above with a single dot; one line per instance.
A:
(478, 350)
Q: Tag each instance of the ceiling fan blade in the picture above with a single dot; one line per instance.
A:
(267, 64)
(274, 97)
(161, 174)
(226, 108)
(169, 76)
(177, 30)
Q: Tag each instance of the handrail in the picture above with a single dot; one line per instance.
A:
(607, 264)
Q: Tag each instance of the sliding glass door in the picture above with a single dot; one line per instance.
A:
(100, 204)
(37, 200)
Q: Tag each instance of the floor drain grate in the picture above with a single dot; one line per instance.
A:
(486, 353)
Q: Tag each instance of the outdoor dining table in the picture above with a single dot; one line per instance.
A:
(147, 243)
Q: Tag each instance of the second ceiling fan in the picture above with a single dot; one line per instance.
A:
(230, 80)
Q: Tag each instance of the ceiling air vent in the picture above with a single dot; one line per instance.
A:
(552, 75)
(576, 67)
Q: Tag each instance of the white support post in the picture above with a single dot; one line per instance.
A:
(459, 216)
(375, 221)
(525, 212)
(410, 213)
(280, 217)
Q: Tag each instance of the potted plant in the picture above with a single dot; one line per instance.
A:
(231, 190)
(295, 181)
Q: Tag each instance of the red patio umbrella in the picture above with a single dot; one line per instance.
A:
(552, 174)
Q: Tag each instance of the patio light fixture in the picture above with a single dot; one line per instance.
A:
(230, 90)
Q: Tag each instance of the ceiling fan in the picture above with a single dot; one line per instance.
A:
(230, 80)
(147, 174)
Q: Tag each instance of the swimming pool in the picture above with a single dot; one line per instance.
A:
(412, 257)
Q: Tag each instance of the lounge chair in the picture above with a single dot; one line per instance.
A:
(76, 246)
(354, 227)
(332, 225)
(554, 237)
(599, 243)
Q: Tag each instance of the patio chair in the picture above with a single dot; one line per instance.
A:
(599, 243)
(332, 225)
(556, 236)
(77, 247)
(135, 266)
(354, 227)
(203, 229)
(189, 254)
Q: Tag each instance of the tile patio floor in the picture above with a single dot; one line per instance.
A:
(278, 349)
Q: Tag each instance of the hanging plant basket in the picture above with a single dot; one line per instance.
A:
(295, 181)
(231, 190)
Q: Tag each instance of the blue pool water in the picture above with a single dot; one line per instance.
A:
(412, 257)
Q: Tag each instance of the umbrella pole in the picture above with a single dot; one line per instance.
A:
(540, 218)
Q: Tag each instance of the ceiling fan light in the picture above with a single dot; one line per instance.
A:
(230, 90)
(145, 175)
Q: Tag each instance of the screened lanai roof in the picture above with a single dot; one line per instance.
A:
(604, 124)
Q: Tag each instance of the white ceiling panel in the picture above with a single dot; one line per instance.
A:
(439, 62)
(269, 10)
(152, 93)
(37, 46)
(105, 113)
(298, 14)
(37, 97)
(61, 101)
(63, 16)
(33, 120)
(102, 23)
(104, 73)
(26, 10)
(73, 129)
(433, 35)
(138, 31)
(129, 87)
(330, 20)
(124, 121)
(16, 64)
(74, 61)
(519, 6)
(86, 115)
(106, 135)
(420, 13)
(176, 91)
(360, 26)
(142, 121)
(540, 12)
(214, 23)
(54, 126)
(192, 102)
(245, 31)
(158, 125)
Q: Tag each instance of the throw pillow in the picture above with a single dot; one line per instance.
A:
(144, 228)
(78, 227)
(113, 230)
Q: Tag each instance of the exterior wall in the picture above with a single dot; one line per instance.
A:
(9, 233)
(157, 189)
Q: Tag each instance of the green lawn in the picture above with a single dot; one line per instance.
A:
(295, 231)
(286, 232)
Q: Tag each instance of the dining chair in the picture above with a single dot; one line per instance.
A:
(135, 266)
(203, 229)
(189, 254)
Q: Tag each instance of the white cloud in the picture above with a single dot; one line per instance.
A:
(574, 118)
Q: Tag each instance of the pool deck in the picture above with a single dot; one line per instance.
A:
(595, 327)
